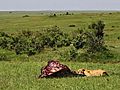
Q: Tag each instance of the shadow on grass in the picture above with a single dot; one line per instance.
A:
(67, 76)
(61, 74)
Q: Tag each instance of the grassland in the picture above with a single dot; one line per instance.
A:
(20, 72)
(23, 76)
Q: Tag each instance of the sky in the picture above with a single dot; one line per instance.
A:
(25, 5)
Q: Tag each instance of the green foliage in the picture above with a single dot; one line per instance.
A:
(5, 40)
(102, 57)
(3, 34)
(95, 37)
(30, 43)
(98, 29)
(69, 54)
(91, 43)
(54, 37)
(78, 39)
(20, 43)
(3, 57)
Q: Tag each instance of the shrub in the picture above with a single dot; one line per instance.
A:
(69, 54)
(95, 40)
(78, 42)
(96, 57)
(9, 12)
(30, 43)
(53, 15)
(25, 16)
(26, 33)
(5, 41)
(3, 34)
(110, 13)
(3, 57)
(71, 25)
(97, 28)
(54, 37)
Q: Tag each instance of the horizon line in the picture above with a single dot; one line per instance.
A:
(68, 10)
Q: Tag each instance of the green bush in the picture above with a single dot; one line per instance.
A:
(78, 42)
(69, 54)
(54, 37)
(3, 57)
(30, 43)
(96, 57)
(95, 37)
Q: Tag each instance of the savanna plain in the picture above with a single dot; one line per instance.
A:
(21, 61)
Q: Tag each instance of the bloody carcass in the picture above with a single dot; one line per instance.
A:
(55, 69)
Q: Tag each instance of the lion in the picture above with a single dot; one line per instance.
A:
(87, 72)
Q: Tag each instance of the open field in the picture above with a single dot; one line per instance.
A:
(20, 72)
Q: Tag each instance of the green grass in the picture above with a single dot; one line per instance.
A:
(19, 72)
(23, 76)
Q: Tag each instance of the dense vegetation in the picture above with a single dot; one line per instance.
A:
(33, 42)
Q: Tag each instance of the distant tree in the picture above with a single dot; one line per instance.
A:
(10, 12)
(67, 13)
(54, 15)
(25, 16)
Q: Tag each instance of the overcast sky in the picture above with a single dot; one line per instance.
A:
(59, 4)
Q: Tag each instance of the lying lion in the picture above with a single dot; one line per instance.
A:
(86, 72)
